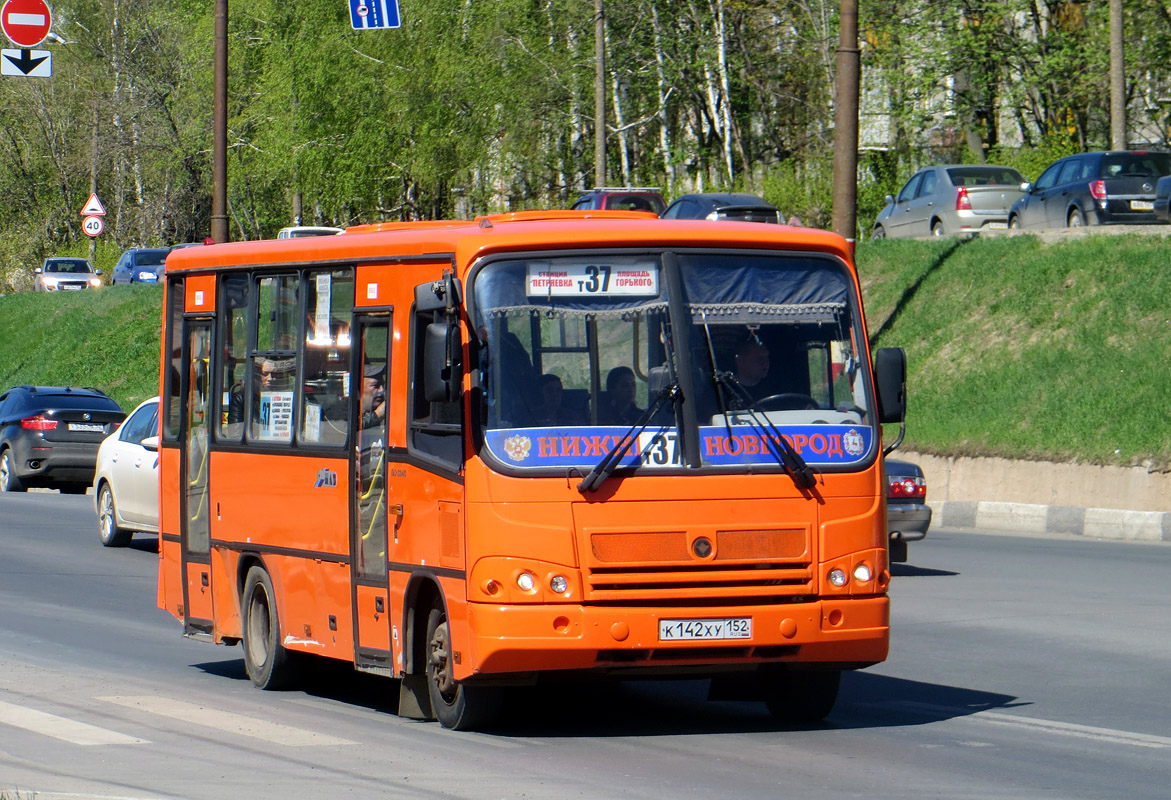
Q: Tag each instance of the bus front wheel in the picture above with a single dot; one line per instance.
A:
(265, 658)
(802, 698)
(457, 706)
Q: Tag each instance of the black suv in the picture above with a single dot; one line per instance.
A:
(723, 205)
(49, 436)
(1098, 188)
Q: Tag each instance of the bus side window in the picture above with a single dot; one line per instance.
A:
(234, 336)
(325, 403)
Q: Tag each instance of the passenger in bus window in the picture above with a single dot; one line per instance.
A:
(552, 410)
(373, 396)
(620, 407)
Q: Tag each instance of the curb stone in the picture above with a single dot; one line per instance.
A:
(1098, 523)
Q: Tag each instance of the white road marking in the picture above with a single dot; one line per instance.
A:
(67, 730)
(1043, 725)
(228, 722)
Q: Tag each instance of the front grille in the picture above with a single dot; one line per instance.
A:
(633, 566)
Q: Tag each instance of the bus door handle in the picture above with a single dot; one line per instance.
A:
(397, 510)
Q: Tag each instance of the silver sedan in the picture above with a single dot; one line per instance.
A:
(950, 200)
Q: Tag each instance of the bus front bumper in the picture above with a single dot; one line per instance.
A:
(517, 639)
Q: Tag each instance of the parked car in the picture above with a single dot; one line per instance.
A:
(1100, 188)
(907, 514)
(723, 205)
(49, 436)
(141, 265)
(628, 198)
(126, 483)
(1162, 207)
(302, 231)
(66, 274)
(950, 200)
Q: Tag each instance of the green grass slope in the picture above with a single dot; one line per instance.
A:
(108, 339)
(1023, 349)
(1015, 348)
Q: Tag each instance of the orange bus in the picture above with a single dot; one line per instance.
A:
(532, 446)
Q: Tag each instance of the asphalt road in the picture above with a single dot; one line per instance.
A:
(1021, 667)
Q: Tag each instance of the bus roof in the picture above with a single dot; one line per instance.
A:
(468, 240)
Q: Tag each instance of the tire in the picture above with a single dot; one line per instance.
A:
(937, 229)
(1076, 219)
(878, 233)
(802, 698)
(8, 480)
(108, 530)
(266, 660)
(457, 706)
(1014, 223)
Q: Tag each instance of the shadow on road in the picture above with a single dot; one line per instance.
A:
(657, 708)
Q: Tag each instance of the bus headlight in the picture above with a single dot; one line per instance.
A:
(559, 584)
(837, 577)
(525, 581)
(862, 573)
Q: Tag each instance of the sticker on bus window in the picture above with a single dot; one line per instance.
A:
(276, 416)
(591, 280)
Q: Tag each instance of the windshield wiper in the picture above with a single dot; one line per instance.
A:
(609, 462)
(787, 456)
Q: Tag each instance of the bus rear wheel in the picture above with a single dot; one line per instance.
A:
(457, 706)
(802, 698)
(266, 660)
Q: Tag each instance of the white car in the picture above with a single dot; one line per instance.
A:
(126, 482)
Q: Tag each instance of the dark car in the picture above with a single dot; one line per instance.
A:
(907, 513)
(141, 265)
(950, 199)
(1100, 188)
(1162, 207)
(723, 205)
(49, 436)
(629, 198)
(66, 274)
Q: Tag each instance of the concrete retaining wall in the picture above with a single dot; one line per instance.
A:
(1044, 497)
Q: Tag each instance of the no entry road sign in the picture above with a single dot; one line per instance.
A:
(26, 22)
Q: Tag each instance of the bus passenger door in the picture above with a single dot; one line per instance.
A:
(195, 501)
(369, 510)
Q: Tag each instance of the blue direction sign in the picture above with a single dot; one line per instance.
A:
(366, 14)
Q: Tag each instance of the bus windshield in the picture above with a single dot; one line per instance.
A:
(712, 359)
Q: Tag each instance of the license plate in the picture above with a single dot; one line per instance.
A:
(70, 287)
(996, 226)
(1142, 205)
(690, 630)
(86, 426)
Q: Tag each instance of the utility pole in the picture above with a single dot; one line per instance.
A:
(845, 218)
(599, 94)
(1117, 79)
(219, 156)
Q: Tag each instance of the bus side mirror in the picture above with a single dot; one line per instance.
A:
(890, 367)
(441, 295)
(441, 361)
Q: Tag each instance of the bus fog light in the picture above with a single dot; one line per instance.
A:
(525, 581)
(862, 573)
(559, 584)
(837, 577)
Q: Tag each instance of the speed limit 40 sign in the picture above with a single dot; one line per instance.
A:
(92, 226)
